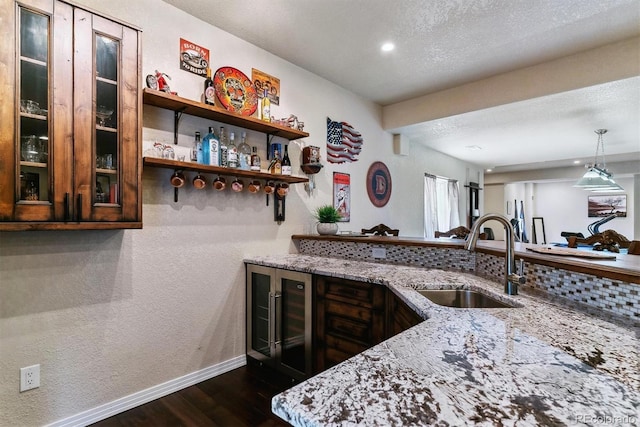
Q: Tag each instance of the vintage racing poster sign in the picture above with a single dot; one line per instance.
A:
(193, 58)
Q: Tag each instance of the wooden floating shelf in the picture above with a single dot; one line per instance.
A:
(183, 105)
(196, 167)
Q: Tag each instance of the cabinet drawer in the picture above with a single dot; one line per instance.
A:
(346, 346)
(349, 328)
(333, 356)
(365, 294)
(355, 312)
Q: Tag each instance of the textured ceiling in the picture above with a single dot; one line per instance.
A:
(444, 43)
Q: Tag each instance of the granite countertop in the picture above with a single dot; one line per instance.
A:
(538, 364)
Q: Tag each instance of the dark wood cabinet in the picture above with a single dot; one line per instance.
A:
(350, 317)
(70, 106)
(399, 316)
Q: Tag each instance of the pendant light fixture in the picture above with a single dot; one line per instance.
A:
(598, 178)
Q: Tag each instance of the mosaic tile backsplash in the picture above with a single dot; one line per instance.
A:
(618, 298)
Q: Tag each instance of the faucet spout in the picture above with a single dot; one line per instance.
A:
(512, 280)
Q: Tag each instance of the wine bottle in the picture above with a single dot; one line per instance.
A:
(244, 153)
(209, 90)
(286, 162)
(232, 152)
(276, 164)
(223, 148)
(265, 107)
(255, 159)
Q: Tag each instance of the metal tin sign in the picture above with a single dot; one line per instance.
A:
(378, 184)
(193, 58)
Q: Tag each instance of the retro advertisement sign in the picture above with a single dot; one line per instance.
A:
(193, 58)
(262, 81)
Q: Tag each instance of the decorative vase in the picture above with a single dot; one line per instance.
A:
(327, 228)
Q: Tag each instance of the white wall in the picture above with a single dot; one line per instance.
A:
(562, 207)
(109, 313)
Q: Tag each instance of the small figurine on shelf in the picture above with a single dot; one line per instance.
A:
(159, 82)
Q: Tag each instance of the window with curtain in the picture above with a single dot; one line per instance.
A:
(441, 200)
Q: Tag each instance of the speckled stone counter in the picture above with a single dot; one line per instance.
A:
(537, 364)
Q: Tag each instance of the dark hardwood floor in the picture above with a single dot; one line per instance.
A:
(241, 397)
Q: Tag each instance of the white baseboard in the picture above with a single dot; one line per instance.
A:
(144, 396)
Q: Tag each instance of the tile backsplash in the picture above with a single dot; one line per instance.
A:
(618, 298)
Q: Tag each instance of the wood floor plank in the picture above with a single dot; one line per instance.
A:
(241, 397)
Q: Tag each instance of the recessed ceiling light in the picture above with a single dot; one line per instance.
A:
(576, 162)
(473, 147)
(489, 170)
(387, 47)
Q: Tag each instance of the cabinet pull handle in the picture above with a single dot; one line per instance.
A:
(278, 312)
(79, 206)
(67, 206)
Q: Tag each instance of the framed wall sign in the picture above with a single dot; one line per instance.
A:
(601, 206)
(262, 81)
(378, 184)
(342, 195)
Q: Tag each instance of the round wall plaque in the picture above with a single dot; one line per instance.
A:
(378, 184)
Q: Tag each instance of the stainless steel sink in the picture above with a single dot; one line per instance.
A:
(461, 298)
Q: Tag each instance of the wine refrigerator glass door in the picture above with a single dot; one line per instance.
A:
(293, 324)
(260, 312)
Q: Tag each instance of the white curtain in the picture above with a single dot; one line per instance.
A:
(430, 206)
(442, 205)
(441, 198)
(453, 191)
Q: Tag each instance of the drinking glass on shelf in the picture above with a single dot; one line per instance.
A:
(29, 149)
(103, 113)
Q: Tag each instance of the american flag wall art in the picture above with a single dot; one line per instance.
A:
(344, 143)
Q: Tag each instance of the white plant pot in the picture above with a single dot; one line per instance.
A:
(327, 228)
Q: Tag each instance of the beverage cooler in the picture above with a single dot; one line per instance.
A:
(279, 321)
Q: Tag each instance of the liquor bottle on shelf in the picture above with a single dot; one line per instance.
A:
(209, 90)
(286, 162)
(212, 143)
(206, 150)
(232, 151)
(196, 152)
(265, 107)
(244, 153)
(223, 148)
(276, 164)
(255, 159)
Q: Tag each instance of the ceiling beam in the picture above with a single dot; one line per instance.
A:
(608, 63)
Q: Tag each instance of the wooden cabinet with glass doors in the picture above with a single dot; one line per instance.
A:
(70, 106)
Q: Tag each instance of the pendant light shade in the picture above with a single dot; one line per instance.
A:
(598, 178)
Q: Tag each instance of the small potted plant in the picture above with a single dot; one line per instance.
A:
(327, 217)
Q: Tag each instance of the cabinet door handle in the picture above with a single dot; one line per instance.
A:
(67, 206)
(277, 298)
(272, 319)
(79, 206)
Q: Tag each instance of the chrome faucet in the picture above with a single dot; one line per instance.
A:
(511, 278)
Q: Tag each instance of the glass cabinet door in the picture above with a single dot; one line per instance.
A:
(260, 311)
(106, 125)
(33, 93)
(106, 134)
(295, 318)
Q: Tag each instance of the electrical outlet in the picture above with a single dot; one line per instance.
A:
(378, 252)
(29, 377)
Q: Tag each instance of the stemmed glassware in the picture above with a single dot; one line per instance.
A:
(103, 113)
